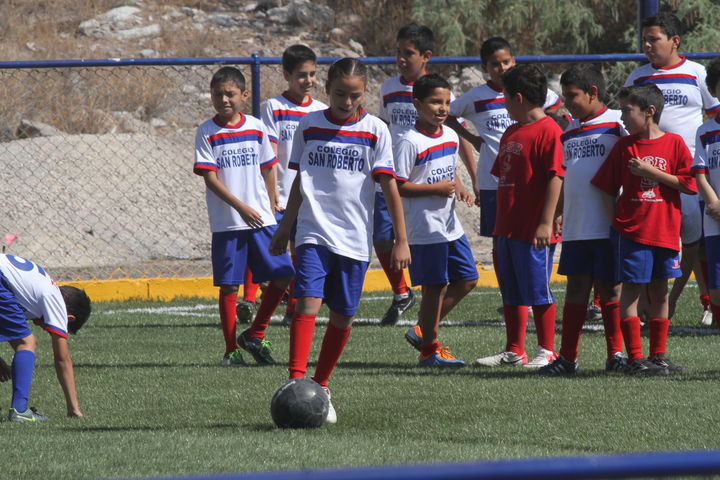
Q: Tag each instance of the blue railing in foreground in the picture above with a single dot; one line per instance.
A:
(655, 465)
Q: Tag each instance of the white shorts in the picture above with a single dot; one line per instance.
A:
(691, 223)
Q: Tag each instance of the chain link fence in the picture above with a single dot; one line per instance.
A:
(97, 161)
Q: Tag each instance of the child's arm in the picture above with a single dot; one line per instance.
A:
(544, 231)
(65, 374)
(644, 169)
(401, 249)
(270, 177)
(443, 188)
(248, 214)
(5, 371)
(468, 159)
(461, 193)
(474, 140)
(708, 194)
(281, 237)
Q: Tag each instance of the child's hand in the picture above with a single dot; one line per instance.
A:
(445, 188)
(279, 241)
(75, 413)
(250, 216)
(543, 234)
(400, 257)
(5, 371)
(465, 197)
(640, 168)
(713, 210)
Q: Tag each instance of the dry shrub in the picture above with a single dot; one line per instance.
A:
(381, 19)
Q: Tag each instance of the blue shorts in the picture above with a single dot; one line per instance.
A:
(488, 209)
(441, 263)
(382, 223)
(293, 229)
(639, 263)
(524, 272)
(324, 274)
(234, 251)
(588, 257)
(13, 323)
(712, 249)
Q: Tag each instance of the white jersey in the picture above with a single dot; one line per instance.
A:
(337, 163)
(707, 160)
(484, 106)
(280, 116)
(586, 145)
(237, 153)
(686, 96)
(36, 293)
(425, 158)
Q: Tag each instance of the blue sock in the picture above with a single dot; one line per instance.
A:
(23, 365)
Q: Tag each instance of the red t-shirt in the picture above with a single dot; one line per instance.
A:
(647, 212)
(528, 157)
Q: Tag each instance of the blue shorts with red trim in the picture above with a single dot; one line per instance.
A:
(13, 323)
(524, 272)
(324, 274)
(488, 210)
(232, 252)
(588, 257)
(712, 249)
(639, 263)
(441, 263)
(382, 223)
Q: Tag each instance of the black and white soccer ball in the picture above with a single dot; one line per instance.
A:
(299, 403)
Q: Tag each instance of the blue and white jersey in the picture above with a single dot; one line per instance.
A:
(586, 145)
(426, 158)
(337, 163)
(280, 117)
(36, 293)
(686, 96)
(484, 106)
(236, 153)
(707, 160)
(396, 102)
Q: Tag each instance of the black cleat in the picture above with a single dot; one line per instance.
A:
(397, 308)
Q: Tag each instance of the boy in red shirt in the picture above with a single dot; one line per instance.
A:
(652, 167)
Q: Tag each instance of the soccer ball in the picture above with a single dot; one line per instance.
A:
(299, 403)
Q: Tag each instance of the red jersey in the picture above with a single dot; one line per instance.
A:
(528, 157)
(647, 212)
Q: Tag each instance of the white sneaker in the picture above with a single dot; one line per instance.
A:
(542, 357)
(707, 318)
(501, 359)
(331, 416)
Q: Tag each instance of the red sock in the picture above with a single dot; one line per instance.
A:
(611, 322)
(291, 301)
(572, 323)
(658, 335)
(427, 349)
(249, 288)
(630, 327)
(396, 278)
(270, 300)
(228, 317)
(705, 300)
(545, 325)
(715, 309)
(301, 336)
(516, 318)
(332, 347)
(596, 298)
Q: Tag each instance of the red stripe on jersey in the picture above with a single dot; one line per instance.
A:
(340, 133)
(259, 133)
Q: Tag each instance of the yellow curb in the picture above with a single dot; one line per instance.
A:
(171, 288)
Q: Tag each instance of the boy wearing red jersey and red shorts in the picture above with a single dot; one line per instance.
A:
(648, 169)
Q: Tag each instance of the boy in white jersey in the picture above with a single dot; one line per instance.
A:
(425, 160)
(28, 292)
(586, 256)
(280, 117)
(682, 83)
(234, 157)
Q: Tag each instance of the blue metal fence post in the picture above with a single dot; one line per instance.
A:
(645, 9)
(255, 78)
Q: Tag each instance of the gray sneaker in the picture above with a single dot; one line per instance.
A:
(618, 363)
(643, 366)
(560, 367)
(28, 416)
(233, 359)
(662, 361)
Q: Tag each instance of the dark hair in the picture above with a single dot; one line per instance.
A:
(668, 23)
(713, 75)
(228, 74)
(346, 67)
(492, 45)
(529, 81)
(427, 83)
(296, 55)
(420, 36)
(643, 96)
(78, 305)
(584, 76)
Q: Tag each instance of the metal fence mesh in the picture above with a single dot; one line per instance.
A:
(97, 164)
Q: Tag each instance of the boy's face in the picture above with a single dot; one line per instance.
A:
(301, 81)
(658, 48)
(345, 94)
(514, 107)
(499, 62)
(433, 109)
(410, 61)
(580, 104)
(227, 99)
(634, 118)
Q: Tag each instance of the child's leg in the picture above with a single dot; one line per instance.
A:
(227, 301)
(430, 312)
(301, 334)
(630, 322)
(334, 341)
(659, 322)
(23, 365)
(610, 304)
(249, 288)
(270, 300)
(455, 292)
(574, 313)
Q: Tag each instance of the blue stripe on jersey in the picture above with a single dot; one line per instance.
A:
(710, 138)
(669, 79)
(228, 139)
(345, 139)
(287, 115)
(578, 133)
(487, 106)
(400, 97)
(436, 152)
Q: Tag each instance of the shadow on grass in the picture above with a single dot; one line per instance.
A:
(255, 427)
(100, 366)
(158, 325)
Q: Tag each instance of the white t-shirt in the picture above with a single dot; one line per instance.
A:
(236, 153)
(424, 158)
(280, 116)
(337, 163)
(686, 95)
(707, 160)
(586, 145)
(484, 106)
(36, 293)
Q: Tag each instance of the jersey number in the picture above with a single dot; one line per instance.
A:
(24, 264)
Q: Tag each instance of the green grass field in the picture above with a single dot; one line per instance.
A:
(157, 402)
